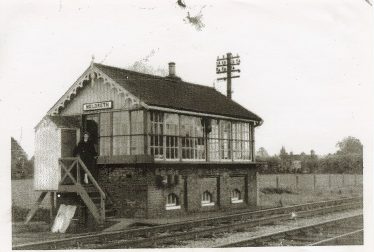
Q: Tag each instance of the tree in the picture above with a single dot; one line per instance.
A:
(285, 161)
(312, 162)
(262, 154)
(350, 145)
(21, 167)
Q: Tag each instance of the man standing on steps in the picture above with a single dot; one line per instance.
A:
(87, 152)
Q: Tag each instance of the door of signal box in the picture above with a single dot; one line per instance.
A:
(68, 142)
(91, 125)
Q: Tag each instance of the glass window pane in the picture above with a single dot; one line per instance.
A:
(105, 146)
(121, 145)
(137, 122)
(156, 134)
(105, 125)
(213, 141)
(225, 141)
(192, 138)
(121, 123)
(137, 145)
(171, 124)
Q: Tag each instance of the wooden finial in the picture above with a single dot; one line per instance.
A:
(92, 59)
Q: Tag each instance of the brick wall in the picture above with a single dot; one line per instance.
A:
(126, 187)
(219, 182)
(143, 191)
(236, 183)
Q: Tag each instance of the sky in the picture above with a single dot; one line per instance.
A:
(305, 65)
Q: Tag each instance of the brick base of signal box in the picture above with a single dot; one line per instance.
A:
(141, 191)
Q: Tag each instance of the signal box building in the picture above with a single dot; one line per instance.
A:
(166, 147)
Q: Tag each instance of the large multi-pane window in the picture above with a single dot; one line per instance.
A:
(105, 134)
(171, 136)
(225, 140)
(213, 141)
(192, 138)
(156, 143)
(240, 136)
(121, 133)
(137, 132)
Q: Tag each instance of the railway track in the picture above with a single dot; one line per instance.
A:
(170, 233)
(339, 231)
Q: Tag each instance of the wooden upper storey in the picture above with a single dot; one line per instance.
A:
(162, 118)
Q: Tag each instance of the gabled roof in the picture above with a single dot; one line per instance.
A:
(177, 94)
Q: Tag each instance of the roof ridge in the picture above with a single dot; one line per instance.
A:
(131, 71)
(155, 76)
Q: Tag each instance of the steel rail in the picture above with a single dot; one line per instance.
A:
(338, 237)
(260, 239)
(105, 237)
(233, 226)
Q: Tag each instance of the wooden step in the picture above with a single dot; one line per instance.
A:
(90, 189)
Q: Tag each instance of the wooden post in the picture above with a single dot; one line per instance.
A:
(130, 131)
(219, 191)
(78, 173)
(145, 131)
(246, 192)
(179, 138)
(35, 207)
(330, 181)
(297, 182)
(52, 210)
(314, 182)
(185, 192)
(277, 181)
(229, 92)
(252, 147)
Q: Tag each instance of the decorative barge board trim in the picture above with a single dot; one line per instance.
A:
(94, 86)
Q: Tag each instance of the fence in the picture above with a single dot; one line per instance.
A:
(23, 193)
(309, 182)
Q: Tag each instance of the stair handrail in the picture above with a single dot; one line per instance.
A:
(93, 180)
(84, 167)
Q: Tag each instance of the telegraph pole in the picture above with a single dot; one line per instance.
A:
(228, 64)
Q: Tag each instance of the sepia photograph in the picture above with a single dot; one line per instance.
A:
(187, 124)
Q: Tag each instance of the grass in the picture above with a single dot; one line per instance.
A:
(19, 214)
(272, 197)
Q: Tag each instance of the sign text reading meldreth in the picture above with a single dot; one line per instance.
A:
(97, 105)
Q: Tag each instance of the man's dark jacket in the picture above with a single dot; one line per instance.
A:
(87, 152)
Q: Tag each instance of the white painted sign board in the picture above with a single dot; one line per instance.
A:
(97, 105)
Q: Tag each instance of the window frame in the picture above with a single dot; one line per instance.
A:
(194, 139)
(175, 204)
(223, 139)
(236, 196)
(207, 199)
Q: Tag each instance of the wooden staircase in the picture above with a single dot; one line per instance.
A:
(93, 196)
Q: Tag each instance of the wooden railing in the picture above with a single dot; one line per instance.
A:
(72, 169)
